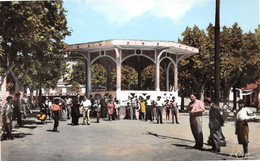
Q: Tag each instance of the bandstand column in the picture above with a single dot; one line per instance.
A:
(118, 73)
(88, 76)
(139, 72)
(176, 76)
(108, 84)
(157, 73)
(167, 77)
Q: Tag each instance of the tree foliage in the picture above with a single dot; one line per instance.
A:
(239, 59)
(99, 76)
(31, 37)
(195, 72)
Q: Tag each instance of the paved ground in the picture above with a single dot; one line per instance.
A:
(125, 140)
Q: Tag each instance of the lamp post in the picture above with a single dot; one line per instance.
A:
(217, 51)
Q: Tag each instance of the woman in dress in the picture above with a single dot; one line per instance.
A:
(110, 107)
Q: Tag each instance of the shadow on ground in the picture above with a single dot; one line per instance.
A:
(16, 135)
(167, 137)
(53, 131)
(188, 146)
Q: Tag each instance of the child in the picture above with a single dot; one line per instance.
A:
(55, 110)
(97, 107)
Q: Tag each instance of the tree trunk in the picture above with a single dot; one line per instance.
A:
(40, 96)
(226, 94)
(202, 94)
(4, 94)
(182, 102)
(31, 97)
(19, 82)
(234, 98)
(36, 98)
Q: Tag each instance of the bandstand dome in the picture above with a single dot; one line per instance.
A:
(137, 54)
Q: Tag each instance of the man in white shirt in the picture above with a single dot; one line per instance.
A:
(86, 110)
(159, 106)
(149, 108)
(242, 130)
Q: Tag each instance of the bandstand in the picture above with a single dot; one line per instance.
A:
(112, 54)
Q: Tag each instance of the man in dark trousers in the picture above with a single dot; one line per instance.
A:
(17, 115)
(148, 105)
(159, 106)
(215, 122)
(175, 110)
(75, 110)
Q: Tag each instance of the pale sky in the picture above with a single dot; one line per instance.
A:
(96, 20)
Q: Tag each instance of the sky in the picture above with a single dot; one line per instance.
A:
(165, 20)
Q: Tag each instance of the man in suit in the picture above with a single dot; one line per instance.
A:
(215, 122)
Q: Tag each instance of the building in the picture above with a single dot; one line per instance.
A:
(252, 92)
(138, 54)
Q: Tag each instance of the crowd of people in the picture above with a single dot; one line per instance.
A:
(63, 109)
(67, 108)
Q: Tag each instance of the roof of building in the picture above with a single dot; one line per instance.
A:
(170, 46)
(252, 86)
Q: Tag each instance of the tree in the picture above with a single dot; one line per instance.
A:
(238, 58)
(99, 76)
(32, 34)
(128, 77)
(76, 76)
(196, 71)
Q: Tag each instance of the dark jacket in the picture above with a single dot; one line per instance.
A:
(75, 108)
(215, 118)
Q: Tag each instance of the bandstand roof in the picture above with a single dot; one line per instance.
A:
(170, 46)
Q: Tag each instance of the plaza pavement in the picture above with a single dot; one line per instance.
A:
(122, 140)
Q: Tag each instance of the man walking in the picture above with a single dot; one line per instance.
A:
(195, 109)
